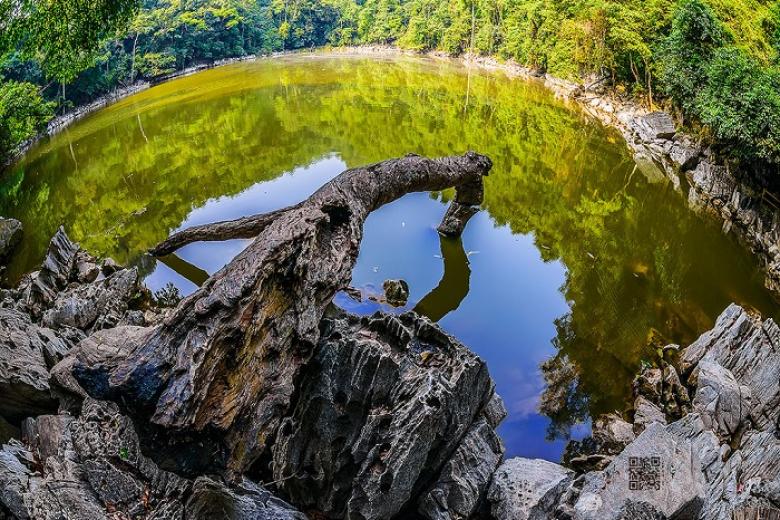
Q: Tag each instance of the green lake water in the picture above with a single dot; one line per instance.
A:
(576, 258)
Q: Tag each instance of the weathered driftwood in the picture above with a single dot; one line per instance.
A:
(225, 362)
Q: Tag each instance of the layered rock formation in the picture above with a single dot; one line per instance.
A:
(346, 417)
(717, 458)
(391, 417)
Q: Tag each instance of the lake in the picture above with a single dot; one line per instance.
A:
(576, 269)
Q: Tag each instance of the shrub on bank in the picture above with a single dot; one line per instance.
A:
(23, 113)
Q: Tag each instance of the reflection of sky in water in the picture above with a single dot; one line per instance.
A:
(507, 316)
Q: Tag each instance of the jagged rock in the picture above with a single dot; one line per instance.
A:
(612, 433)
(245, 501)
(495, 411)
(384, 404)
(685, 153)
(98, 348)
(10, 236)
(96, 305)
(674, 397)
(646, 413)
(27, 351)
(527, 489)
(749, 349)
(8, 431)
(667, 474)
(656, 125)
(709, 464)
(41, 287)
(87, 270)
(648, 384)
(396, 292)
(722, 403)
(743, 478)
(463, 481)
(91, 466)
(109, 266)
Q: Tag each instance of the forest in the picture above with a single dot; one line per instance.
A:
(690, 56)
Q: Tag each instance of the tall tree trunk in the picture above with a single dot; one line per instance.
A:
(225, 362)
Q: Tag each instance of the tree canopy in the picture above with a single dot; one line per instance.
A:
(715, 60)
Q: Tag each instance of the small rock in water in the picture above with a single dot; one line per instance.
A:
(354, 293)
(396, 292)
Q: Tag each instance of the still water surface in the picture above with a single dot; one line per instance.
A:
(577, 259)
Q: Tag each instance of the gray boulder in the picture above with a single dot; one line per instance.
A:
(27, 351)
(646, 413)
(748, 348)
(612, 433)
(246, 500)
(453, 496)
(10, 236)
(527, 489)
(658, 472)
(97, 305)
(722, 402)
(656, 125)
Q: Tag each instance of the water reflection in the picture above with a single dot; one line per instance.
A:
(563, 283)
(186, 270)
(454, 284)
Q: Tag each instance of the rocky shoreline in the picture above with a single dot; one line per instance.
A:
(60, 122)
(663, 153)
(392, 418)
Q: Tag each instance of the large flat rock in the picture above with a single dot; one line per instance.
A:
(657, 472)
(527, 489)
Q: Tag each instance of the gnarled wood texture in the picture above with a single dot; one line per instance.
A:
(226, 361)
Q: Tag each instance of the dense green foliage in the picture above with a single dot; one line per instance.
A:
(716, 60)
(63, 36)
(22, 114)
(731, 92)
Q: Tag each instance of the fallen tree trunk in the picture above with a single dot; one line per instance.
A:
(224, 364)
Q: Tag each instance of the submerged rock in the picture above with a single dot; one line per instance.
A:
(10, 236)
(396, 292)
